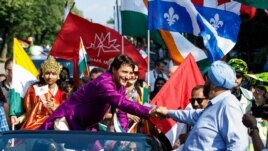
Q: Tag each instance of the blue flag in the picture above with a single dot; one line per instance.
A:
(218, 28)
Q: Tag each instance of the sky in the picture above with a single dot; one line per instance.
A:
(99, 11)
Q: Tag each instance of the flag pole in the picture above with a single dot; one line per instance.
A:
(117, 16)
(132, 127)
(87, 67)
(13, 139)
(72, 6)
(75, 68)
(66, 11)
(119, 27)
(123, 48)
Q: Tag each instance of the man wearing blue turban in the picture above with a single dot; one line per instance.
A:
(219, 125)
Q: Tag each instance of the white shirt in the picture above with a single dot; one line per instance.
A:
(152, 77)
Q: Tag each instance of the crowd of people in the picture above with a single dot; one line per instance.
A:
(228, 112)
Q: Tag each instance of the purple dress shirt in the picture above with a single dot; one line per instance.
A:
(88, 105)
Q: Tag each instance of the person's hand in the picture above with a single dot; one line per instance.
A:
(14, 120)
(249, 120)
(162, 112)
(51, 104)
(145, 85)
(183, 138)
(108, 116)
(133, 118)
(152, 112)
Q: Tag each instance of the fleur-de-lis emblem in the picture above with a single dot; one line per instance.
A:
(171, 17)
(206, 38)
(216, 22)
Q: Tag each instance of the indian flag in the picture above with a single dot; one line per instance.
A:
(262, 4)
(82, 63)
(23, 43)
(119, 129)
(117, 126)
(24, 73)
(131, 11)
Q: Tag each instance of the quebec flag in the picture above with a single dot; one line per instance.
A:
(218, 28)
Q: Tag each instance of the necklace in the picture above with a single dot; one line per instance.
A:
(132, 94)
(54, 90)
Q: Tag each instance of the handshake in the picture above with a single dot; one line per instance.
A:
(159, 112)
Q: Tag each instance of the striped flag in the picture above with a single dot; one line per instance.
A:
(23, 43)
(228, 5)
(262, 4)
(131, 11)
(24, 73)
(212, 24)
(117, 126)
(119, 129)
(178, 46)
(82, 62)
(144, 95)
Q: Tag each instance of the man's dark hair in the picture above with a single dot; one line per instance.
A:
(96, 70)
(62, 76)
(197, 88)
(119, 60)
(8, 61)
(158, 62)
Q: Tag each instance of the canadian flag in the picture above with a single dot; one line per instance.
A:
(101, 43)
(228, 5)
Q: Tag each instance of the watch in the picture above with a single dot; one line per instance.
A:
(251, 129)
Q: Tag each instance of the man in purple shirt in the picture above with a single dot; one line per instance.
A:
(88, 105)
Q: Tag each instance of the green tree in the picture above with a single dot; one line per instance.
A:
(110, 21)
(10, 18)
(41, 19)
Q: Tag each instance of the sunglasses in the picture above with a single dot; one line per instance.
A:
(199, 100)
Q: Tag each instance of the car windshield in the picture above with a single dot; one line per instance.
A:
(76, 141)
